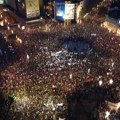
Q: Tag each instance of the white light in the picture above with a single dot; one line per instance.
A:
(109, 30)
(118, 106)
(107, 114)
(110, 81)
(41, 18)
(23, 27)
(18, 25)
(108, 73)
(8, 28)
(12, 31)
(64, 17)
(53, 86)
(61, 118)
(19, 40)
(2, 23)
(70, 76)
(28, 57)
(89, 71)
(53, 109)
(100, 82)
(86, 15)
(60, 104)
(112, 64)
(5, 20)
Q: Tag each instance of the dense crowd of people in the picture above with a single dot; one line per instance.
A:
(41, 80)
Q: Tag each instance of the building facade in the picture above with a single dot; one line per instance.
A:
(28, 8)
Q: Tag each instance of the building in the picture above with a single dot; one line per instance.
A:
(27, 8)
(112, 21)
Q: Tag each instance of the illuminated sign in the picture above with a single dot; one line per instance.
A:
(32, 8)
(69, 11)
(59, 10)
(1, 1)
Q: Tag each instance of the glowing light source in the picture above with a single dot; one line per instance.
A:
(8, 28)
(23, 27)
(118, 106)
(41, 18)
(12, 31)
(110, 81)
(70, 76)
(28, 57)
(100, 82)
(18, 25)
(107, 114)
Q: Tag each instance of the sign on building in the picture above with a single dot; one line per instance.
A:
(59, 10)
(1, 1)
(32, 8)
(69, 11)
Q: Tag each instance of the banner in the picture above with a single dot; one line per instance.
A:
(69, 11)
(32, 8)
(59, 10)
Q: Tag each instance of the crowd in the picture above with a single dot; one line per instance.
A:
(41, 81)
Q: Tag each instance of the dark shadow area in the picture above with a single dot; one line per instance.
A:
(5, 104)
(85, 102)
(8, 53)
(89, 4)
(77, 45)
